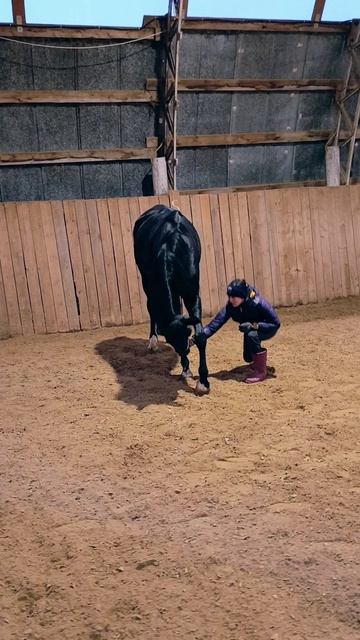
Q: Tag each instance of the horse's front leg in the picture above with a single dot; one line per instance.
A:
(202, 386)
(186, 373)
(193, 306)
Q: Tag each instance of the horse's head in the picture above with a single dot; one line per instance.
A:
(177, 334)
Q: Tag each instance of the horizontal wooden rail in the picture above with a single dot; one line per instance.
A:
(236, 85)
(76, 97)
(78, 32)
(206, 24)
(228, 25)
(249, 138)
(254, 187)
(75, 156)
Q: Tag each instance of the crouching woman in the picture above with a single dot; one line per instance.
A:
(258, 321)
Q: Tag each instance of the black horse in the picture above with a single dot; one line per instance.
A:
(167, 251)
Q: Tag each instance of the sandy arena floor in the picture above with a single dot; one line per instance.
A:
(130, 508)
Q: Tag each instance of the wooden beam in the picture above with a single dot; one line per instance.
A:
(75, 156)
(76, 97)
(196, 24)
(18, 11)
(255, 187)
(251, 138)
(234, 85)
(79, 33)
(318, 10)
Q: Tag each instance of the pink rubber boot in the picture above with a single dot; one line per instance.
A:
(259, 368)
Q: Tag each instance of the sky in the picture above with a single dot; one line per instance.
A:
(129, 13)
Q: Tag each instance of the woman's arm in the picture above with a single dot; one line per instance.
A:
(217, 322)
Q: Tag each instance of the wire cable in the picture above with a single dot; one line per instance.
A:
(95, 46)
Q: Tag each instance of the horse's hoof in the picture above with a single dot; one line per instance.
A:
(201, 389)
(153, 344)
(186, 374)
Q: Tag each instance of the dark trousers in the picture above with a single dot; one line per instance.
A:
(252, 342)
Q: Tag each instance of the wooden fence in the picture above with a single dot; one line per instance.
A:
(69, 265)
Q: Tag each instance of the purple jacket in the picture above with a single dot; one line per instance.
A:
(251, 310)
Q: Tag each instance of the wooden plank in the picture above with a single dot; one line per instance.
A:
(31, 269)
(256, 137)
(43, 267)
(204, 280)
(274, 210)
(74, 156)
(257, 187)
(98, 262)
(335, 243)
(325, 217)
(355, 226)
(236, 235)
(131, 269)
(4, 318)
(11, 298)
(76, 264)
(260, 243)
(209, 253)
(288, 26)
(65, 265)
(309, 261)
(218, 246)
(245, 237)
(88, 263)
(300, 255)
(226, 237)
(185, 206)
(146, 202)
(54, 267)
(315, 198)
(247, 85)
(109, 262)
(164, 199)
(119, 256)
(348, 270)
(289, 204)
(257, 85)
(134, 209)
(348, 249)
(79, 33)
(174, 201)
(17, 257)
(76, 97)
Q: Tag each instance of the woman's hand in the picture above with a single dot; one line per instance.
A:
(246, 327)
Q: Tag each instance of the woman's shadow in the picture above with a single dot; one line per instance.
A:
(239, 373)
(144, 377)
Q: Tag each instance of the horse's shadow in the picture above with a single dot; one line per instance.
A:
(145, 378)
(239, 373)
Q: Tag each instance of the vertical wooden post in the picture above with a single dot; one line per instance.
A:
(169, 92)
(318, 10)
(350, 124)
(332, 160)
(18, 11)
(159, 175)
(352, 141)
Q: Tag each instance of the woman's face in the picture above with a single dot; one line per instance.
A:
(235, 301)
